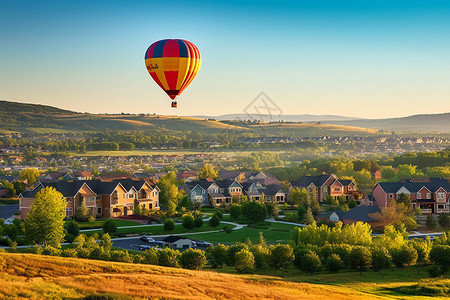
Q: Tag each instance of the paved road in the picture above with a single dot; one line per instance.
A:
(7, 211)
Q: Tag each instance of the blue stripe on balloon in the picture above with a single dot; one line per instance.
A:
(158, 51)
(183, 48)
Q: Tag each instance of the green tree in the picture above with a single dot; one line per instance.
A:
(169, 258)
(82, 211)
(188, 222)
(444, 220)
(254, 211)
(214, 221)
(217, 255)
(244, 261)
(430, 222)
(198, 221)
(193, 259)
(235, 211)
(298, 196)
(309, 218)
(310, 262)
(150, 256)
(105, 242)
(361, 258)
(440, 255)
(404, 256)
(272, 209)
(110, 226)
(72, 227)
(44, 223)
(208, 171)
(281, 256)
(169, 224)
(19, 186)
(30, 175)
(334, 263)
(381, 259)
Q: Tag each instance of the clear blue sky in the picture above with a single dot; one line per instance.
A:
(379, 58)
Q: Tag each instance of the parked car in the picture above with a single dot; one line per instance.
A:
(147, 239)
(144, 247)
(202, 244)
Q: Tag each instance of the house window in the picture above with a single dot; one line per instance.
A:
(69, 199)
(337, 189)
(441, 196)
(99, 209)
(441, 206)
(419, 196)
(219, 201)
(69, 211)
(91, 199)
(428, 195)
(391, 196)
(98, 197)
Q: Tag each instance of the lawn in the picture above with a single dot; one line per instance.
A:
(273, 233)
(159, 230)
(99, 224)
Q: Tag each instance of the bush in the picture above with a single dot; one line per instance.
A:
(381, 259)
(168, 257)
(169, 224)
(214, 221)
(49, 250)
(254, 211)
(261, 255)
(110, 226)
(193, 259)
(150, 256)
(440, 255)
(301, 212)
(444, 220)
(121, 256)
(72, 228)
(198, 221)
(188, 222)
(91, 218)
(244, 261)
(361, 258)
(404, 256)
(227, 229)
(310, 263)
(219, 213)
(70, 252)
(231, 252)
(430, 222)
(281, 256)
(334, 263)
(272, 209)
(235, 211)
(217, 256)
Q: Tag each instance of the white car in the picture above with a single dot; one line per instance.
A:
(147, 239)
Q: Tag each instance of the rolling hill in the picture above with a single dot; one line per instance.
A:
(35, 276)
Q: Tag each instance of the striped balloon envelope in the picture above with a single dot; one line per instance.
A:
(173, 64)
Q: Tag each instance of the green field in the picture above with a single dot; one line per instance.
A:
(273, 233)
(99, 224)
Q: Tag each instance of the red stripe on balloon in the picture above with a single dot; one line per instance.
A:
(171, 49)
(150, 50)
(172, 78)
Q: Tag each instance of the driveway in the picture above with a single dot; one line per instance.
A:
(7, 211)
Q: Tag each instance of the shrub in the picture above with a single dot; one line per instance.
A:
(219, 213)
(404, 256)
(110, 226)
(254, 211)
(430, 222)
(235, 211)
(444, 220)
(281, 256)
(310, 262)
(231, 252)
(169, 224)
(198, 221)
(244, 261)
(361, 258)
(440, 255)
(217, 255)
(168, 257)
(49, 250)
(261, 255)
(214, 221)
(272, 209)
(301, 212)
(121, 256)
(193, 259)
(227, 229)
(150, 256)
(188, 222)
(70, 252)
(72, 228)
(334, 263)
(91, 218)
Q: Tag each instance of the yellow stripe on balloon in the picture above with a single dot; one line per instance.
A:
(183, 69)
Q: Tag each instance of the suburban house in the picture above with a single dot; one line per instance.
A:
(187, 175)
(177, 242)
(321, 186)
(359, 213)
(105, 199)
(431, 195)
(65, 175)
(222, 192)
(241, 176)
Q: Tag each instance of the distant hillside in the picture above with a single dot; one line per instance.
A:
(41, 277)
(31, 118)
(285, 118)
(421, 123)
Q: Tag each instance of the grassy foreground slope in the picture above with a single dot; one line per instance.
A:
(35, 276)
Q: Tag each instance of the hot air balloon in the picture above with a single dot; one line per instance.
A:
(173, 64)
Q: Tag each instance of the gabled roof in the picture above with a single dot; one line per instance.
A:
(358, 213)
(271, 189)
(129, 183)
(345, 182)
(174, 238)
(226, 183)
(9, 178)
(305, 181)
(414, 186)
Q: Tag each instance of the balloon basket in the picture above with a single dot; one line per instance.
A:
(174, 104)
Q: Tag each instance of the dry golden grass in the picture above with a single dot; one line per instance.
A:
(35, 276)
(321, 126)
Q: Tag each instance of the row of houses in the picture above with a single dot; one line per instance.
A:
(430, 195)
(222, 192)
(104, 199)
